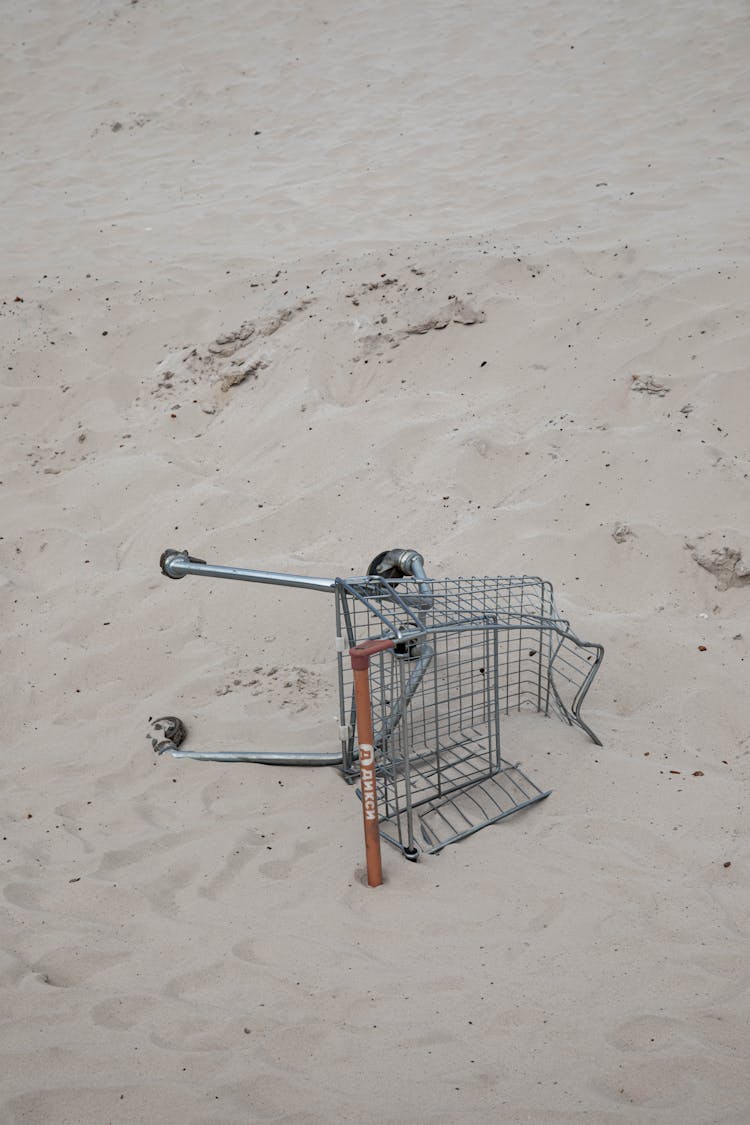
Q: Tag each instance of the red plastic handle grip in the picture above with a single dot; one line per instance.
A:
(360, 654)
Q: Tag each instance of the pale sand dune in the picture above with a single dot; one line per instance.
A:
(299, 284)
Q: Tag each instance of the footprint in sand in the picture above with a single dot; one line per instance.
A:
(283, 868)
(68, 967)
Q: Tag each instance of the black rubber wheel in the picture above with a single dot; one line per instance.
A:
(379, 570)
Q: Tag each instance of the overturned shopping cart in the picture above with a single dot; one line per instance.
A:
(445, 660)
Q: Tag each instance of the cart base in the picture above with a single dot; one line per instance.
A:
(453, 805)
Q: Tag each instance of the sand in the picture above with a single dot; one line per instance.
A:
(289, 285)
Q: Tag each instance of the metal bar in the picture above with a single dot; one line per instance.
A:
(539, 663)
(344, 725)
(176, 564)
(260, 757)
(405, 742)
(494, 727)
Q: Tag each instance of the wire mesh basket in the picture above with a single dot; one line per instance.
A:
(466, 652)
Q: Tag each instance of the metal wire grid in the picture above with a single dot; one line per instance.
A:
(441, 773)
(541, 663)
(467, 651)
(442, 818)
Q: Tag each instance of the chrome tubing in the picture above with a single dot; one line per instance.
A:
(423, 661)
(260, 757)
(170, 732)
(176, 564)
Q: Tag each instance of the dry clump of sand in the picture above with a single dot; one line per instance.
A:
(290, 287)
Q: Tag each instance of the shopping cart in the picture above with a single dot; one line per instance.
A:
(446, 661)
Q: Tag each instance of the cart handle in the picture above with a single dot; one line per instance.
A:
(360, 657)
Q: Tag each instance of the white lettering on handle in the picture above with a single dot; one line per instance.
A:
(366, 754)
(367, 777)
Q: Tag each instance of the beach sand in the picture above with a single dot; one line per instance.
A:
(289, 285)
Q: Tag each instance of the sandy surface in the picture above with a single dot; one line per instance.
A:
(289, 285)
